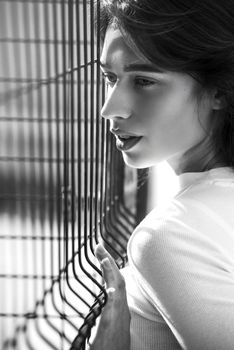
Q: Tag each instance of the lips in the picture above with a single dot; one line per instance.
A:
(122, 133)
(125, 144)
(125, 140)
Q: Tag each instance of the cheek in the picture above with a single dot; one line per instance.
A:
(173, 121)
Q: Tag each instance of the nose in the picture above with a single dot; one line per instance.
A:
(117, 104)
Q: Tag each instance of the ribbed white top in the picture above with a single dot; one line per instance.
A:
(180, 278)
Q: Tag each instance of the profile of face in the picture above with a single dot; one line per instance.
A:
(155, 112)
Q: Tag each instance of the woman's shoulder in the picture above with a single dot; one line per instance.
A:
(201, 213)
(210, 197)
(206, 185)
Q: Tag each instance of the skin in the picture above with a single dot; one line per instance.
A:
(164, 108)
(113, 329)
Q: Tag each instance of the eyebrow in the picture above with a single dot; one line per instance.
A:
(133, 67)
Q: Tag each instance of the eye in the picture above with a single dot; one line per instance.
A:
(109, 78)
(144, 82)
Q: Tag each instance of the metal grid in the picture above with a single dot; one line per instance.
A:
(63, 185)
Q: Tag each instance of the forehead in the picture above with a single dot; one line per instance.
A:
(116, 50)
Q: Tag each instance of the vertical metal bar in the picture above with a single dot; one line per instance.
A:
(43, 23)
(80, 158)
(110, 230)
(81, 167)
(28, 171)
(72, 142)
(87, 148)
(97, 108)
(54, 182)
(92, 124)
(66, 157)
(142, 188)
(57, 9)
(86, 126)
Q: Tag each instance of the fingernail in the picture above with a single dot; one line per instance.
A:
(110, 290)
(111, 294)
(106, 263)
(100, 248)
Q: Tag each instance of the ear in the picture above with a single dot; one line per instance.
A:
(218, 100)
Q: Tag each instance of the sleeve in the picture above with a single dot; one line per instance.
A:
(189, 280)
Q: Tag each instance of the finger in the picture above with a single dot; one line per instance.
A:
(108, 273)
(111, 272)
(111, 295)
(109, 309)
(102, 253)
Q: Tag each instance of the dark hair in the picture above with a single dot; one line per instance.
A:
(190, 36)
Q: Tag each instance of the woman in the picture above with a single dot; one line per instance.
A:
(169, 67)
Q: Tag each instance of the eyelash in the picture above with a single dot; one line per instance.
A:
(106, 77)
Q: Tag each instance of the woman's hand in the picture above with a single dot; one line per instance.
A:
(113, 330)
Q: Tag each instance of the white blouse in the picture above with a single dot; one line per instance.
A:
(180, 277)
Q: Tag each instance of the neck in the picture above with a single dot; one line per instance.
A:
(201, 157)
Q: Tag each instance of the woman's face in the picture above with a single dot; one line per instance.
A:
(159, 108)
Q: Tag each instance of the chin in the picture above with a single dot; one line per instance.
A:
(137, 162)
